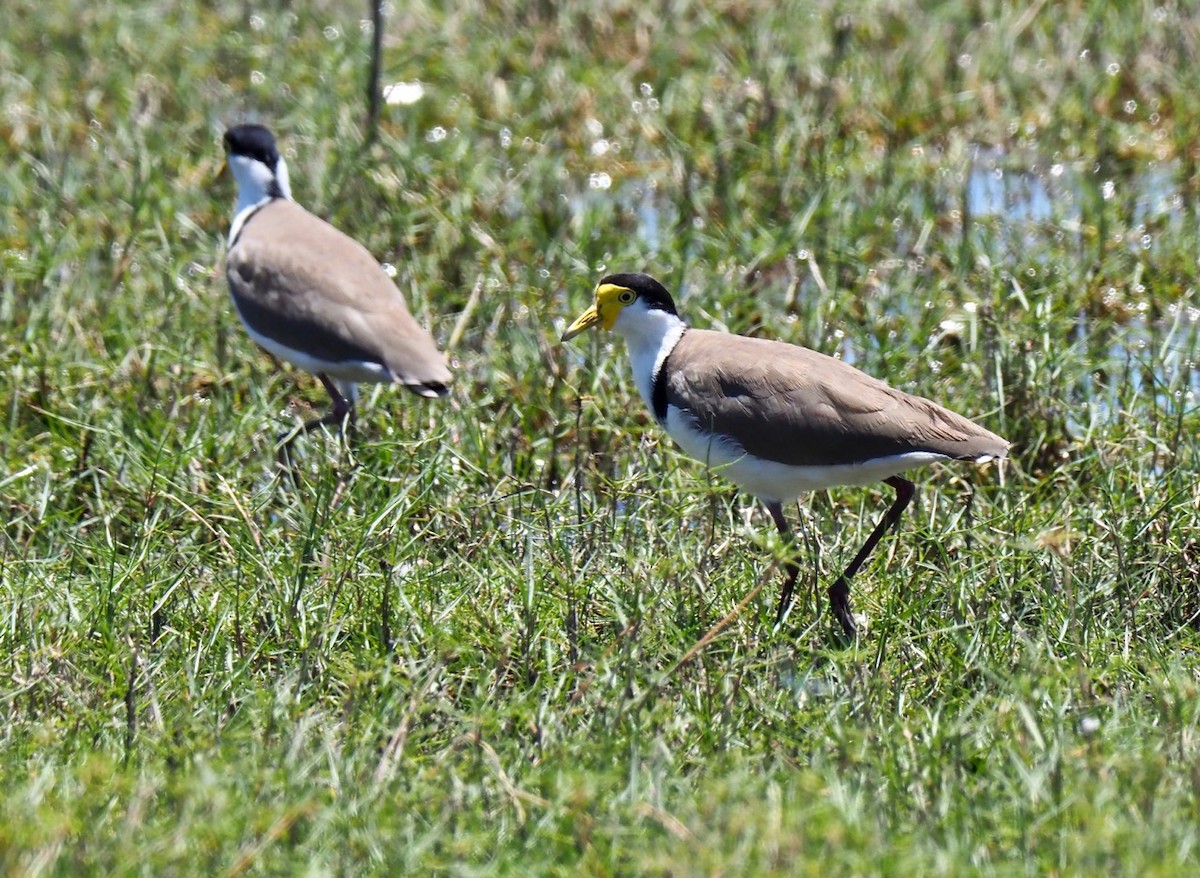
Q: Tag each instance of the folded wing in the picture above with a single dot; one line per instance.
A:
(789, 404)
(301, 282)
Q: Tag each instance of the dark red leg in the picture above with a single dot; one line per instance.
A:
(341, 414)
(839, 592)
(793, 566)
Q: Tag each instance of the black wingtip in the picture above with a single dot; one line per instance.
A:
(430, 389)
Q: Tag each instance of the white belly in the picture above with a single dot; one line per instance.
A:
(771, 481)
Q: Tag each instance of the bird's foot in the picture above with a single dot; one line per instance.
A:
(839, 602)
(283, 457)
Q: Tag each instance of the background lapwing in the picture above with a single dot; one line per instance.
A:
(779, 419)
(312, 295)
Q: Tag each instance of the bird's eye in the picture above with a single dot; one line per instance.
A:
(626, 296)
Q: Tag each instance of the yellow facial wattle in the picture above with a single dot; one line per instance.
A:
(610, 299)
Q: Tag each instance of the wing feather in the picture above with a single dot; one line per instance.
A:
(793, 405)
(298, 280)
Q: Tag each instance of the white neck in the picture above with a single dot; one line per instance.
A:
(651, 335)
(254, 182)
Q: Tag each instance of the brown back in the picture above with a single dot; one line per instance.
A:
(796, 406)
(298, 280)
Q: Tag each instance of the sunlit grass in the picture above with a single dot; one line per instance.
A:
(491, 653)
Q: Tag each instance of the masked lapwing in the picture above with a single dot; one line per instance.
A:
(314, 296)
(778, 419)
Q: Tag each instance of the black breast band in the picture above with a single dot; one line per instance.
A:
(658, 392)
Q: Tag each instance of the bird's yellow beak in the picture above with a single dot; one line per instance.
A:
(604, 310)
(222, 175)
(586, 320)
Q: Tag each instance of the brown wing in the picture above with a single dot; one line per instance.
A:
(298, 280)
(790, 404)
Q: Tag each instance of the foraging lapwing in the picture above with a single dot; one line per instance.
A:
(778, 419)
(314, 296)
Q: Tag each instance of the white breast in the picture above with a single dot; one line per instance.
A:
(650, 336)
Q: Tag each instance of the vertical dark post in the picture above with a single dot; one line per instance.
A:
(965, 254)
(831, 135)
(374, 94)
(572, 622)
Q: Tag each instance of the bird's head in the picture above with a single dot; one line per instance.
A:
(622, 294)
(253, 158)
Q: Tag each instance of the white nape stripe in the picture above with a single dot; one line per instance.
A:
(281, 178)
(241, 218)
(772, 481)
(255, 182)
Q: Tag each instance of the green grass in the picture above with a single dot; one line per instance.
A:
(489, 656)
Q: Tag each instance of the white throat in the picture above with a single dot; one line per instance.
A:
(651, 335)
(257, 184)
